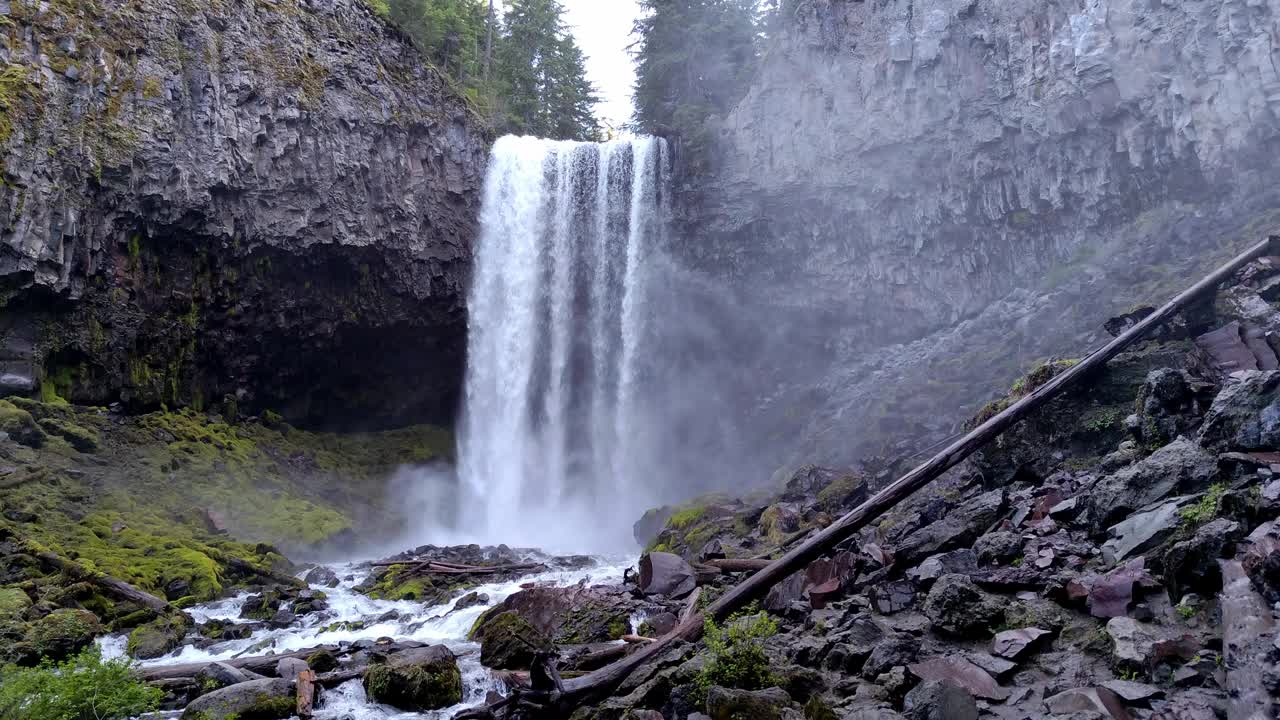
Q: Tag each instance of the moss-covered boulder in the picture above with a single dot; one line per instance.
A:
(19, 425)
(80, 438)
(416, 680)
(63, 633)
(158, 637)
(13, 603)
(509, 642)
(271, 699)
(568, 615)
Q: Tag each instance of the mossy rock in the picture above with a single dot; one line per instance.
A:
(158, 637)
(63, 633)
(20, 425)
(271, 699)
(416, 680)
(843, 492)
(82, 439)
(322, 661)
(13, 602)
(509, 642)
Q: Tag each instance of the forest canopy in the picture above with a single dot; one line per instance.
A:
(519, 65)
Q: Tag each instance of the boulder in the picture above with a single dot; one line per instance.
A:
(1142, 531)
(963, 561)
(1181, 467)
(270, 699)
(962, 673)
(896, 650)
(998, 548)
(647, 528)
(1013, 644)
(158, 637)
(471, 599)
(416, 680)
(574, 615)
(957, 607)
(935, 700)
(1133, 692)
(509, 642)
(63, 633)
(1088, 700)
(217, 675)
(288, 668)
(1245, 415)
(953, 527)
(730, 704)
(666, 575)
(322, 576)
(1192, 565)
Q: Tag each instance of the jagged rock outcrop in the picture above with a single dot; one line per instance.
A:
(908, 181)
(269, 204)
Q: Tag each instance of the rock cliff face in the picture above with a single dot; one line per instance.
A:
(936, 191)
(263, 203)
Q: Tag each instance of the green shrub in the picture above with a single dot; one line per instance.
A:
(85, 687)
(738, 659)
(1204, 509)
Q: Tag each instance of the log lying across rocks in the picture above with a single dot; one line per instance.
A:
(600, 683)
(119, 589)
(263, 664)
(435, 567)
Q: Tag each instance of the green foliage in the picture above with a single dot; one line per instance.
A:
(1186, 612)
(694, 59)
(526, 73)
(738, 659)
(84, 687)
(1203, 510)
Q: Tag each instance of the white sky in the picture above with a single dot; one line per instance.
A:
(603, 31)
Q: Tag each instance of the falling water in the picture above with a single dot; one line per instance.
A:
(557, 331)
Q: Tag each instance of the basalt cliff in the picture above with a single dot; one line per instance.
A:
(924, 197)
(236, 205)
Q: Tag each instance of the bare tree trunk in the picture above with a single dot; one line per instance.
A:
(488, 44)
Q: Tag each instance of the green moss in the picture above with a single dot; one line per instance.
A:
(836, 495)
(415, 687)
(20, 425)
(158, 637)
(686, 517)
(13, 602)
(78, 437)
(64, 632)
(1203, 510)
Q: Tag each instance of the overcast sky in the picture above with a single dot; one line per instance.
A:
(603, 31)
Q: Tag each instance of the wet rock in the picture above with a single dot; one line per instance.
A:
(1013, 644)
(416, 680)
(647, 528)
(1142, 531)
(960, 672)
(778, 521)
(158, 637)
(509, 642)
(322, 576)
(729, 704)
(782, 595)
(1165, 406)
(1180, 467)
(1245, 415)
(964, 562)
(1110, 595)
(934, 700)
(1133, 692)
(895, 651)
(322, 661)
(573, 615)
(956, 527)
(177, 589)
(288, 668)
(659, 624)
(471, 599)
(1139, 645)
(891, 597)
(283, 618)
(667, 575)
(957, 607)
(998, 667)
(1192, 565)
(998, 548)
(217, 675)
(1088, 700)
(270, 699)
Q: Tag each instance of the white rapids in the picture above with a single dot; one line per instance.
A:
(352, 616)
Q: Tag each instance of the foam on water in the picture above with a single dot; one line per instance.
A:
(438, 624)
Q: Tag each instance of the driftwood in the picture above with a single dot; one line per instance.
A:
(637, 639)
(599, 683)
(117, 588)
(690, 606)
(306, 694)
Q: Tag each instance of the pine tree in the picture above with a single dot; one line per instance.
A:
(694, 59)
(544, 74)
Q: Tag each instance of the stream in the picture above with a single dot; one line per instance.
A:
(428, 624)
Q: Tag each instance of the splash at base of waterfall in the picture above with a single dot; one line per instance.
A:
(552, 444)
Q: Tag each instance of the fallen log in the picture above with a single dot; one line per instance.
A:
(690, 606)
(261, 664)
(249, 568)
(736, 566)
(599, 683)
(637, 639)
(117, 588)
(335, 678)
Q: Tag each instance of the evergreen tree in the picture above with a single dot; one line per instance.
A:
(544, 74)
(694, 58)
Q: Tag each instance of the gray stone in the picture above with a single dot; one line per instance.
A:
(247, 699)
(730, 704)
(217, 675)
(893, 651)
(288, 668)
(960, 672)
(666, 574)
(957, 607)
(1246, 414)
(321, 575)
(1142, 531)
(998, 547)
(935, 700)
(1013, 644)
(1130, 691)
(1096, 700)
(1181, 467)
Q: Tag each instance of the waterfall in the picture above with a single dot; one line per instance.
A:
(558, 329)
